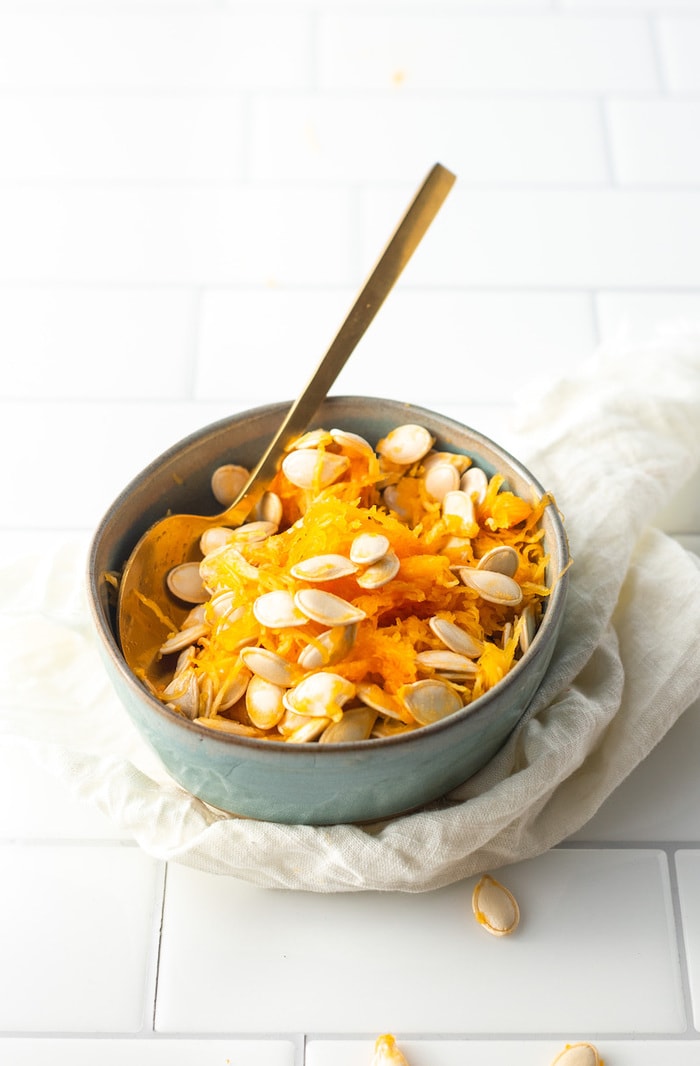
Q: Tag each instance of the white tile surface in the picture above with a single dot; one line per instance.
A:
(173, 235)
(688, 869)
(679, 41)
(144, 1052)
(77, 929)
(82, 138)
(535, 52)
(384, 137)
(142, 340)
(279, 956)
(427, 344)
(559, 239)
(107, 48)
(655, 141)
(644, 317)
(123, 438)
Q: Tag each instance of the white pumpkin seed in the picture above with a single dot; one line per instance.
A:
(440, 479)
(326, 608)
(185, 638)
(455, 638)
(253, 532)
(232, 689)
(352, 443)
(405, 445)
(331, 647)
(224, 606)
(320, 695)
(458, 461)
(430, 700)
(277, 610)
(315, 438)
(185, 582)
(269, 665)
(367, 548)
(386, 1053)
(263, 702)
(381, 572)
(527, 628)
(356, 724)
(501, 560)
(323, 568)
(492, 586)
(214, 538)
(446, 661)
(269, 508)
(182, 694)
(495, 907)
(309, 729)
(309, 468)
(227, 482)
(579, 1054)
(383, 702)
(475, 483)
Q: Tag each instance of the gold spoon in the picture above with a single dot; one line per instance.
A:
(145, 604)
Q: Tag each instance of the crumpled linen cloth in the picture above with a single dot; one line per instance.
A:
(614, 443)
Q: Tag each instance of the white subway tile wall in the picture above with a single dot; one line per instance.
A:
(191, 192)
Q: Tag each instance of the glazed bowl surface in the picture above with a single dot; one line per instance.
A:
(311, 783)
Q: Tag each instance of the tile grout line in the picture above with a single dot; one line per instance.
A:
(160, 914)
(684, 973)
(657, 53)
(608, 151)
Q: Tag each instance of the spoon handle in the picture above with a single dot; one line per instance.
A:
(406, 238)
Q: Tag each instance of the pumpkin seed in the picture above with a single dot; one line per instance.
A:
(430, 700)
(185, 582)
(386, 1053)
(320, 695)
(495, 907)
(308, 468)
(323, 568)
(580, 1054)
(356, 724)
(492, 586)
(268, 665)
(446, 662)
(455, 638)
(327, 608)
(381, 572)
(501, 560)
(405, 445)
(475, 483)
(277, 610)
(368, 548)
(227, 482)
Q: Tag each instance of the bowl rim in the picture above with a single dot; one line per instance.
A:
(551, 618)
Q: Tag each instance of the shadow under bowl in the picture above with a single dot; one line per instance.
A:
(311, 783)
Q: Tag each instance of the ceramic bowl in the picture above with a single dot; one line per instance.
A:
(311, 783)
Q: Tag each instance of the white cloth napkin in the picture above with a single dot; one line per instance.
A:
(614, 444)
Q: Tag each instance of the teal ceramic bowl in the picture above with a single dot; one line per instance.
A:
(310, 783)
